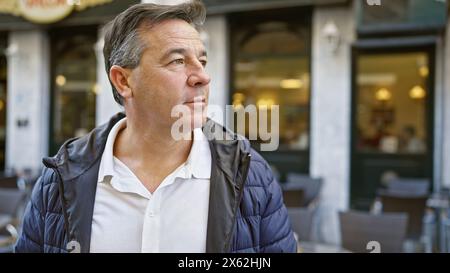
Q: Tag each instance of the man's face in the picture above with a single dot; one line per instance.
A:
(171, 72)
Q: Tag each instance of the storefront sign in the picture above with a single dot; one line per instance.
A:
(46, 11)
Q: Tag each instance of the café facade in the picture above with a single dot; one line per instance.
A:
(361, 87)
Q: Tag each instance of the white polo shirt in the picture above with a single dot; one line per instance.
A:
(128, 218)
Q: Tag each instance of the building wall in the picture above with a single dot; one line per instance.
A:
(28, 99)
(216, 41)
(330, 116)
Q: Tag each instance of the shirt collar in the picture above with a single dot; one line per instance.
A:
(107, 160)
(198, 164)
(199, 160)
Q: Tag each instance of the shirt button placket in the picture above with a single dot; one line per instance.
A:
(150, 242)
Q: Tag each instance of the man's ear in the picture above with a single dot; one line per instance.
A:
(120, 78)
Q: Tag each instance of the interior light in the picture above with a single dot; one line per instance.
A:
(383, 94)
(291, 84)
(417, 92)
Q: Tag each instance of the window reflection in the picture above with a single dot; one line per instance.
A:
(391, 103)
(272, 68)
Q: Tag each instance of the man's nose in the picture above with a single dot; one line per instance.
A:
(198, 77)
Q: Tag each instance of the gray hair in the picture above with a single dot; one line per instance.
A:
(123, 44)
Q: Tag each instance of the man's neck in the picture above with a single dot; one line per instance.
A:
(150, 152)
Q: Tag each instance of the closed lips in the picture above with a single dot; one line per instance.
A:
(197, 100)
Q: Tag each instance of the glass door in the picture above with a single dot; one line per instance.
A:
(392, 120)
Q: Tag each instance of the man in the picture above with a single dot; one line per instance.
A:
(130, 185)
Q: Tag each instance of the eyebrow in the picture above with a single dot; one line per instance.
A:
(181, 51)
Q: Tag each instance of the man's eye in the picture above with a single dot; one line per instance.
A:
(178, 61)
(204, 62)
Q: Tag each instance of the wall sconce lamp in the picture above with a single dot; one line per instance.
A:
(332, 34)
(12, 50)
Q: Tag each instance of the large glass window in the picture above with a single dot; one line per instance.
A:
(74, 85)
(271, 67)
(391, 103)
